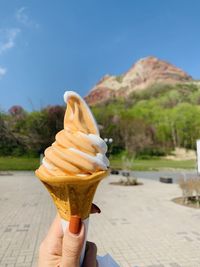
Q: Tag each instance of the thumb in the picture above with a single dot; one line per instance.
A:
(72, 243)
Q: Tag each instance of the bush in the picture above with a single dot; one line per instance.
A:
(190, 189)
(151, 152)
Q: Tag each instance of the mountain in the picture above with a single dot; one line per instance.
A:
(144, 73)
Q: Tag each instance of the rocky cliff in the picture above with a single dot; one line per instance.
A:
(144, 73)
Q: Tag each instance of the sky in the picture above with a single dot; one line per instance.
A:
(48, 47)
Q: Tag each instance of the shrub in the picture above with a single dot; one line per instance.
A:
(190, 188)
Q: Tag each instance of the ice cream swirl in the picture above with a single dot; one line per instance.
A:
(78, 149)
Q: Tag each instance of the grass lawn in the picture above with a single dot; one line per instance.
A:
(26, 163)
(18, 163)
(155, 164)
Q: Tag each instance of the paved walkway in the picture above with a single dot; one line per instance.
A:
(139, 226)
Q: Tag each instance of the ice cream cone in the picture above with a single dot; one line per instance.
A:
(75, 163)
(72, 195)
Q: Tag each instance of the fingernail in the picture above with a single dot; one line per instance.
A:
(95, 208)
(75, 224)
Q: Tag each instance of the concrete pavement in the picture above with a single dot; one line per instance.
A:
(139, 226)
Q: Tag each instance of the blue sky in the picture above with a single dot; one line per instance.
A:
(47, 47)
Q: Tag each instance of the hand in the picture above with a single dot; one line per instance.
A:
(63, 250)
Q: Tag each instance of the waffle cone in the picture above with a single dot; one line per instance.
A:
(72, 195)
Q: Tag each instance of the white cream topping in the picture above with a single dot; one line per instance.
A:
(96, 141)
(47, 165)
(99, 160)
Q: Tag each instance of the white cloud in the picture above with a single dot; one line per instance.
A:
(24, 19)
(7, 38)
(8, 35)
(2, 72)
(7, 41)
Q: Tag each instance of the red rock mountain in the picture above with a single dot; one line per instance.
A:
(141, 75)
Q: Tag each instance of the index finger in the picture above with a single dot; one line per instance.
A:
(55, 229)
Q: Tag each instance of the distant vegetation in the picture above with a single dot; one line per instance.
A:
(29, 133)
(149, 123)
(154, 121)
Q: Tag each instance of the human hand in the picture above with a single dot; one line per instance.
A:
(64, 250)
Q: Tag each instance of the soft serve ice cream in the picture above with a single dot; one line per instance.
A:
(78, 149)
(75, 163)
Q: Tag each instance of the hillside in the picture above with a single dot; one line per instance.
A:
(153, 121)
(143, 74)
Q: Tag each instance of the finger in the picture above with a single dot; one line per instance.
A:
(56, 228)
(72, 243)
(95, 209)
(90, 255)
(52, 244)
